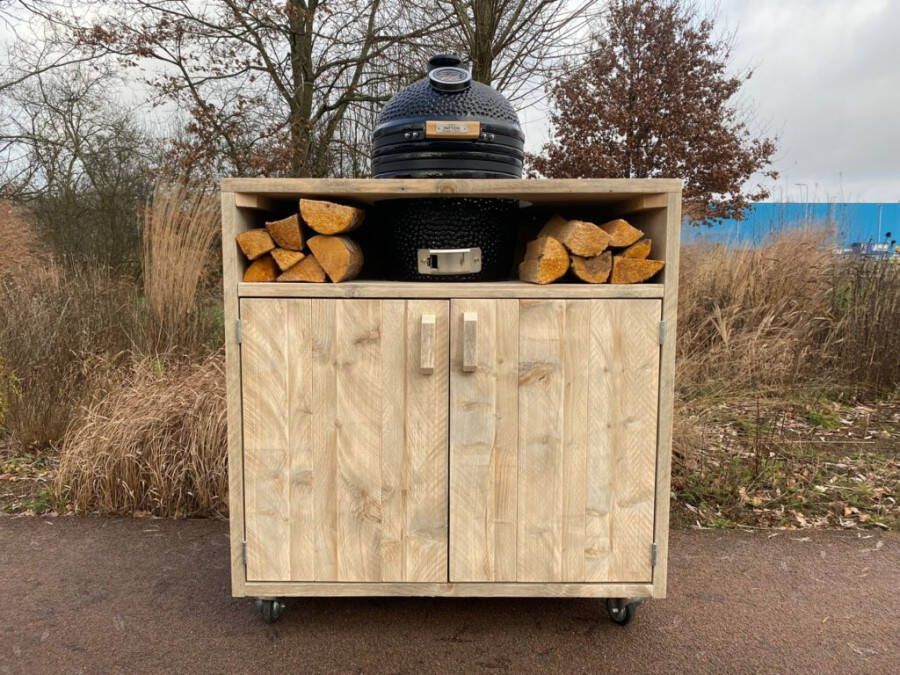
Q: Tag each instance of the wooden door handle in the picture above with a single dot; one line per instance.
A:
(470, 342)
(426, 345)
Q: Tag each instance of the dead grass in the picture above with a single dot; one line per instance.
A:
(764, 333)
(788, 313)
(181, 224)
(153, 441)
(21, 245)
(55, 329)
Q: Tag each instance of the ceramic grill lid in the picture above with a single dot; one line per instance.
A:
(447, 125)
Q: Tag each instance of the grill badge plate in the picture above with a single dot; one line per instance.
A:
(462, 129)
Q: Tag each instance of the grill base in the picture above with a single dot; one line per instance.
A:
(413, 224)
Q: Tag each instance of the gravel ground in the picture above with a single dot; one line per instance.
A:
(118, 595)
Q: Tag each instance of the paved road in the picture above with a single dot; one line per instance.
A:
(111, 595)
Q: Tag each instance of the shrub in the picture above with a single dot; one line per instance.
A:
(154, 441)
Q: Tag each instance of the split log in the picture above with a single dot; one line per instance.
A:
(639, 250)
(255, 243)
(579, 236)
(287, 232)
(546, 260)
(621, 233)
(330, 218)
(307, 269)
(593, 270)
(340, 257)
(633, 270)
(262, 269)
(286, 258)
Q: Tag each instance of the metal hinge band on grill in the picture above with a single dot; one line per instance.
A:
(653, 554)
(238, 331)
(244, 553)
(662, 332)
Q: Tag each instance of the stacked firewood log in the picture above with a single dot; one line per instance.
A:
(278, 251)
(615, 252)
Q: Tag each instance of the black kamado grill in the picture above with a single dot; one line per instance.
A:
(447, 126)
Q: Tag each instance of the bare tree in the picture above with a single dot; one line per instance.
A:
(33, 48)
(515, 45)
(267, 83)
(78, 161)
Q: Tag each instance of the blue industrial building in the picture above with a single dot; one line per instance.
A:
(870, 227)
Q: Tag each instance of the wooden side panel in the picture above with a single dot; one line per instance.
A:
(667, 393)
(621, 453)
(232, 223)
(345, 441)
(483, 441)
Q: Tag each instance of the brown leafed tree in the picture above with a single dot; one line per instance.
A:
(654, 99)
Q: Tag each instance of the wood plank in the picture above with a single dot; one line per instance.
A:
(428, 290)
(358, 411)
(232, 223)
(243, 200)
(622, 447)
(483, 439)
(266, 442)
(667, 394)
(541, 384)
(295, 408)
(363, 190)
(575, 335)
(394, 478)
(320, 369)
(641, 203)
(451, 590)
(426, 458)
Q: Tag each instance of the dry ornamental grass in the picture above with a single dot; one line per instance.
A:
(154, 442)
(181, 225)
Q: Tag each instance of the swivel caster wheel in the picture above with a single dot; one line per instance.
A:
(621, 610)
(270, 609)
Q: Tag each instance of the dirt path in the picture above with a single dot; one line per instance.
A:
(111, 595)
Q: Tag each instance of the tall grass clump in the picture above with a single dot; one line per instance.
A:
(52, 324)
(154, 441)
(752, 317)
(789, 313)
(181, 225)
(864, 342)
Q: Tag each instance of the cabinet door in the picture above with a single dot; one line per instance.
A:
(553, 429)
(345, 439)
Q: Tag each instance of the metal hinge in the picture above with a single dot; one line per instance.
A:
(244, 553)
(238, 331)
(662, 332)
(653, 554)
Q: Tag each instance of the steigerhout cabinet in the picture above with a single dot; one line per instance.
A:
(450, 439)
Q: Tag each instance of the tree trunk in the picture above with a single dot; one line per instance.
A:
(301, 21)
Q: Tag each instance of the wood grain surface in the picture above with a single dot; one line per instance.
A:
(345, 441)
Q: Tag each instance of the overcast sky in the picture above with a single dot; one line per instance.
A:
(826, 82)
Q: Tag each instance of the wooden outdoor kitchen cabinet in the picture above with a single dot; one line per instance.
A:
(458, 439)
